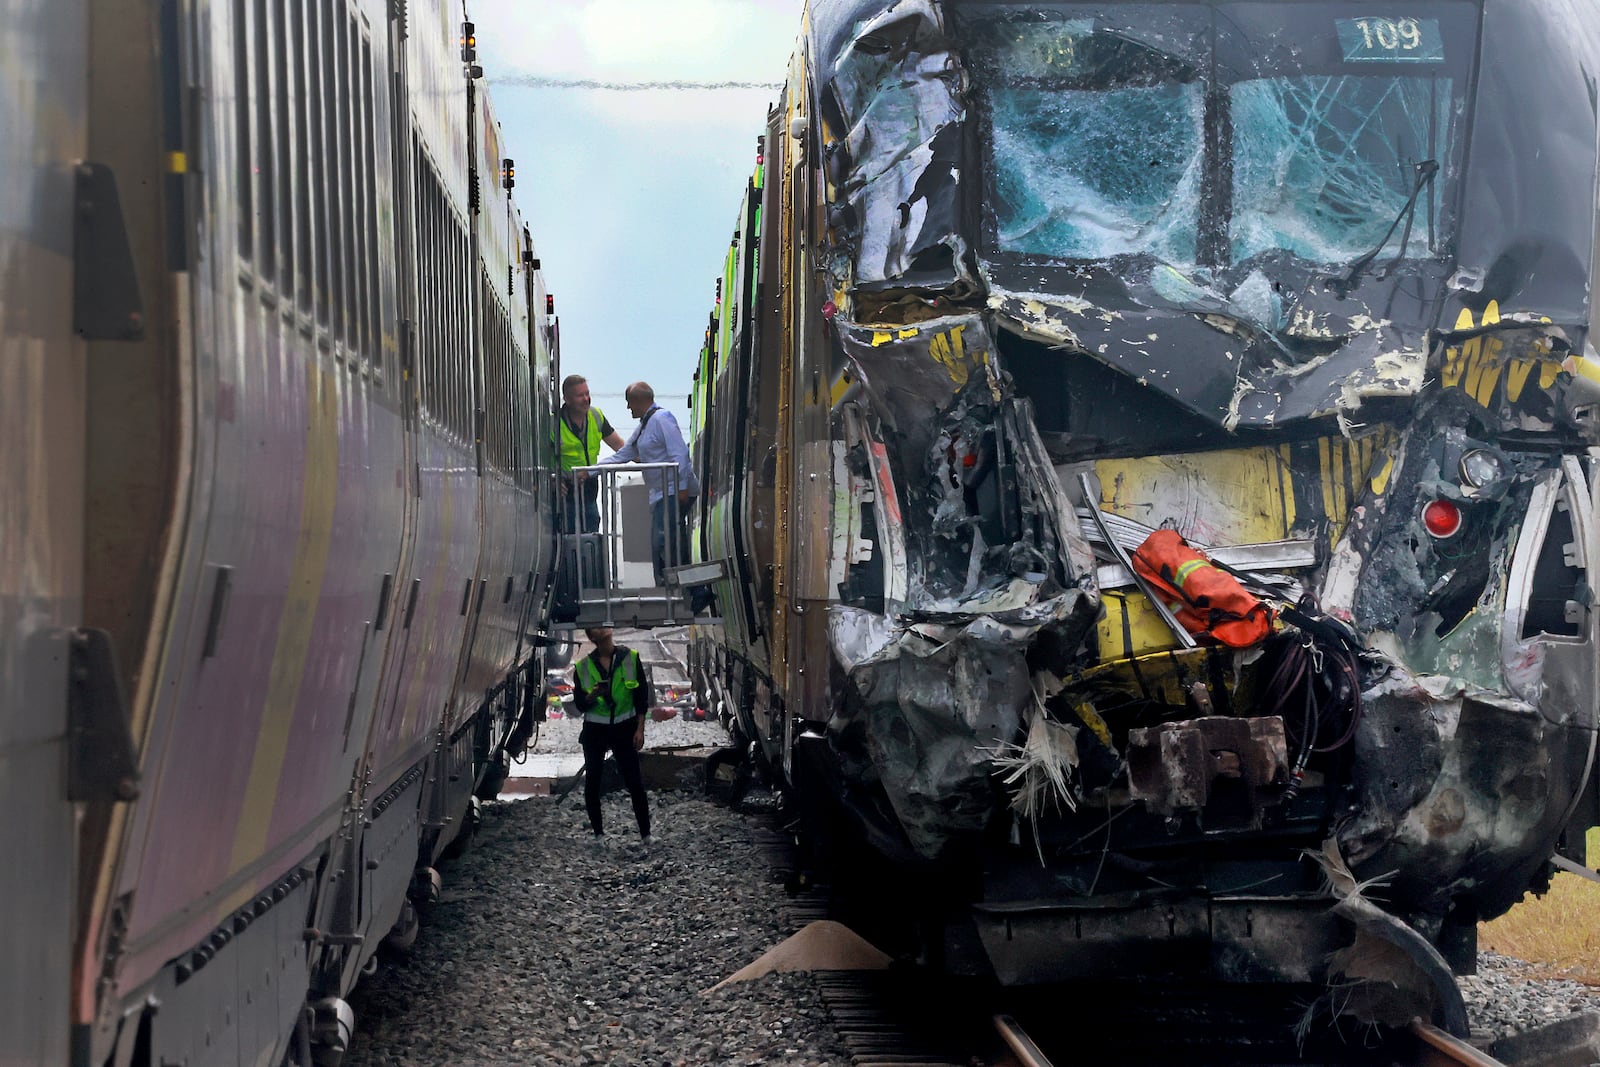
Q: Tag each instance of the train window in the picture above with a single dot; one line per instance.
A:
(458, 352)
(463, 349)
(369, 147)
(452, 353)
(267, 221)
(360, 183)
(439, 306)
(439, 309)
(285, 166)
(494, 373)
(434, 302)
(241, 125)
(336, 172)
(354, 179)
(489, 370)
(463, 346)
(304, 270)
(424, 354)
(1322, 163)
(429, 307)
(349, 69)
(317, 168)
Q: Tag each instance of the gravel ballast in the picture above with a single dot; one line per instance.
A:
(1506, 997)
(545, 950)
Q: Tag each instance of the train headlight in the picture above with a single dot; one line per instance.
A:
(1480, 468)
(1441, 518)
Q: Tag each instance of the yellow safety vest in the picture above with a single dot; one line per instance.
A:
(614, 704)
(580, 452)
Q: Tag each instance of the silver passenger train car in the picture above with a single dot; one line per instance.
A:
(275, 398)
(1151, 445)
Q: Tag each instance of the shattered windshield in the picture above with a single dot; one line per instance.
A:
(1323, 165)
(1054, 194)
(1210, 134)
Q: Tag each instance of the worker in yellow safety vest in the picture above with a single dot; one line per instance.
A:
(611, 687)
(582, 428)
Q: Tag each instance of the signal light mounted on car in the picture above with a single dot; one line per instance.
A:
(1481, 467)
(469, 51)
(1442, 519)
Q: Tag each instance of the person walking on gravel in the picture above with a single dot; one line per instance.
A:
(611, 687)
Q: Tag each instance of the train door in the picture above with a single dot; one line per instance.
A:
(148, 470)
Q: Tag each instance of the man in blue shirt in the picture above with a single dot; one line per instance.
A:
(658, 440)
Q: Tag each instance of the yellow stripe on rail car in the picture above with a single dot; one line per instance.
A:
(317, 501)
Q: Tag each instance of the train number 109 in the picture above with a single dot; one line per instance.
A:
(1380, 40)
(1390, 34)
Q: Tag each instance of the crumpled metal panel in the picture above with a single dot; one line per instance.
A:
(928, 705)
(894, 110)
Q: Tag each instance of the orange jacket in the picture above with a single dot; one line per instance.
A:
(1208, 602)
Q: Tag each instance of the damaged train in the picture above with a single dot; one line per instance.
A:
(1149, 451)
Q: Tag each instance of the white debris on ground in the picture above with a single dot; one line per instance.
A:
(544, 950)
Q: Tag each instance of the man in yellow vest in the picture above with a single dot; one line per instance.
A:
(582, 428)
(611, 687)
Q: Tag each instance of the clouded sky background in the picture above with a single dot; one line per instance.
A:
(632, 194)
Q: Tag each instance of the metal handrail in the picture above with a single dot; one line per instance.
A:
(609, 503)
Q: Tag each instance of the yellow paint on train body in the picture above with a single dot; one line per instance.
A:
(1231, 497)
(1238, 496)
(318, 498)
(1479, 365)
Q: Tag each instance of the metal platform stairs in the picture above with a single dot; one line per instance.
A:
(602, 574)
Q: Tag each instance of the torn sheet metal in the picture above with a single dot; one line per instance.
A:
(926, 708)
(893, 112)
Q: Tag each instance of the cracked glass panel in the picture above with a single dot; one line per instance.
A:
(1323, 166)
(1089, 174)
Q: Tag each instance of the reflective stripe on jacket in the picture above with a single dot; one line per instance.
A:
(616, 703)
(1208, 602)
(585, 451)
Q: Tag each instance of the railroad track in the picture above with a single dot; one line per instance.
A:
(1438, 1049)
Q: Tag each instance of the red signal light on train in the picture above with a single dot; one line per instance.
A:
(1441, 519)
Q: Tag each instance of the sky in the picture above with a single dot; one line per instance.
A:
(632, 194)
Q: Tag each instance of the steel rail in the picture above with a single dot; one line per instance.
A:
(1440, 1049)
(1185, 638)
(1019, 1041)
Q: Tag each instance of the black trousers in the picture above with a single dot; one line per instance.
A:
(597, 738)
